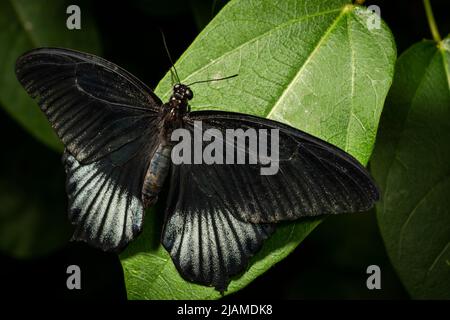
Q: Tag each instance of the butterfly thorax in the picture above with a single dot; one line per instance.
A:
(173, 111)
(179, 100)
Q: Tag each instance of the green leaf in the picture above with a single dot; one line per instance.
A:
(25, 25)
(312, 64)
(412, 165)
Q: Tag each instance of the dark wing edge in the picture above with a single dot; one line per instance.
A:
(207, 244)
(150, 99)
(94, 106)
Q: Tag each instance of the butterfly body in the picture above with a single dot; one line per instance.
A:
(171, 117)
(157, 172)
(117, 135)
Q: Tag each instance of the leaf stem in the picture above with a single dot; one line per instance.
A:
(431, 21)
(360, 2)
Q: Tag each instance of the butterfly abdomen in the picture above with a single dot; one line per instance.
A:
(156, 174)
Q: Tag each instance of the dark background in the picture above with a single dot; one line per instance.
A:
(330, 264)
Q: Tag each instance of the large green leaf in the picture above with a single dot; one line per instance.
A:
(32, 221)
(25, 25)
(412, 164)
(312, 64)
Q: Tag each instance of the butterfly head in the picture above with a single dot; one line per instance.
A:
(182, 92)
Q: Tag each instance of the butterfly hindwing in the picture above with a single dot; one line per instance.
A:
(208, 243)
(105, 200)
(94, 106)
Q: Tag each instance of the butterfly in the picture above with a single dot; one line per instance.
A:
(117, 157)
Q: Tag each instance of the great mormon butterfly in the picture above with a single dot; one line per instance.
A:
(116, 133)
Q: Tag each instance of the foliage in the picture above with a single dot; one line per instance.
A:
(316, 65)
(412, 165)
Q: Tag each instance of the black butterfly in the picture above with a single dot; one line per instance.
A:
(117, 157)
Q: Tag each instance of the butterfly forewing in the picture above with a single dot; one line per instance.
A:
(313, 178)
(94, 106)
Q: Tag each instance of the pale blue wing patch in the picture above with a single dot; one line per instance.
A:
(207, 243)
(104, 202)
(209, 246)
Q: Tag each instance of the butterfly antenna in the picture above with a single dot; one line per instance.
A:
(172, 77)
(211, 80)
(170, 58)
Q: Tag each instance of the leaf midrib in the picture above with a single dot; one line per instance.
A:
(299, 73)
(445, 63)
(400, 137)
(352, 93)
(252, 40)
